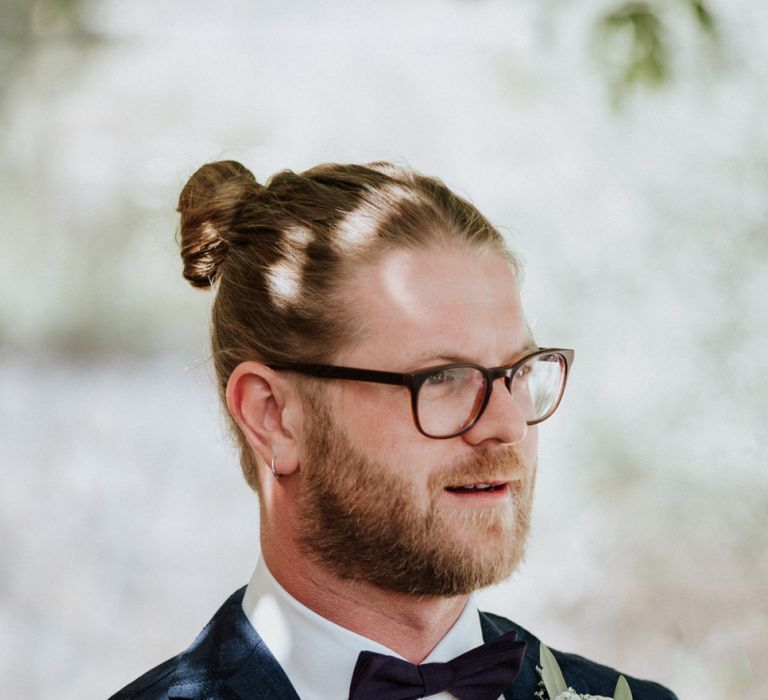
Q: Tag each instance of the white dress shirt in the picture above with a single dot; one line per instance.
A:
(319, 656)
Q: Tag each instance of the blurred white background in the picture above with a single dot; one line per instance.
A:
(637, 196)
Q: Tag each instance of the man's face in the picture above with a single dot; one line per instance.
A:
(380, 501)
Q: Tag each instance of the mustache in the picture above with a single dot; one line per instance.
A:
(485, 467)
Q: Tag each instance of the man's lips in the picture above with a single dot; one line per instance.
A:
(478, 488)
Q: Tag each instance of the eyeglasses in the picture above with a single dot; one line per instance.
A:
(447, 400)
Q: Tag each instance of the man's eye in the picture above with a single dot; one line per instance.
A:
(525, 370)
(440, 377)
(447, 377)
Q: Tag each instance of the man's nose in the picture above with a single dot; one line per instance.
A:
(502, 421)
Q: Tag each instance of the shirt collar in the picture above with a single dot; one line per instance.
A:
(319, 656)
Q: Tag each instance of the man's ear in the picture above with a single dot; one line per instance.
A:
(268, 411)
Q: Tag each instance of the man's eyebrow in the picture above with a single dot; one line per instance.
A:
(438, 356)
(526, 349)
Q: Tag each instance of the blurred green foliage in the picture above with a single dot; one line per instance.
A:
(24, 21)
(632, 42)
(26, 25)
(631, 38)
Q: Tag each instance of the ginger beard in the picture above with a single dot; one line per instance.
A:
(361, 520)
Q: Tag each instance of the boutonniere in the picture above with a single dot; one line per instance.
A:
(558, 690)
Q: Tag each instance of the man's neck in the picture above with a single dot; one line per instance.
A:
(409, 625)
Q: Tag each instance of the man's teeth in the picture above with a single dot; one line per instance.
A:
(476, 486)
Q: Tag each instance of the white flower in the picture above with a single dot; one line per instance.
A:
(553, 681)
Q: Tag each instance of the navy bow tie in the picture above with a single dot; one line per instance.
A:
(482, 673)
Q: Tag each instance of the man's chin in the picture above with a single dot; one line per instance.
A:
(495, 519)
(482, 547)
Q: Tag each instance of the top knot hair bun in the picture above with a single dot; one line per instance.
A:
(209, 205)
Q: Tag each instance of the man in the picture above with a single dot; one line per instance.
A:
(385, 389)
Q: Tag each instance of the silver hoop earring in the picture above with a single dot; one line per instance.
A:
(273, 467)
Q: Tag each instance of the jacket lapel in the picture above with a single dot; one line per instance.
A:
(229, 660)
(527, 682)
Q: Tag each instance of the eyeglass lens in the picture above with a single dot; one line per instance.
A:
(450, 399)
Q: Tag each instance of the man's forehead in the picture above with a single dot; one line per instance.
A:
(433, 277)
(443, 304)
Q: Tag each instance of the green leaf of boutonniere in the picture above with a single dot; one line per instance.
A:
(551, 674)
(622, 691)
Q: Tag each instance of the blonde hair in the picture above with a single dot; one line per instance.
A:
(279, 254)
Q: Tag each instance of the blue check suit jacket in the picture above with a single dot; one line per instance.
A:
(229, 661)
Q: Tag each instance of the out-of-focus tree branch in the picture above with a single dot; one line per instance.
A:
(631, 41)
(25, 25)
(23, 22)
(703, 16)
(647, 58)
